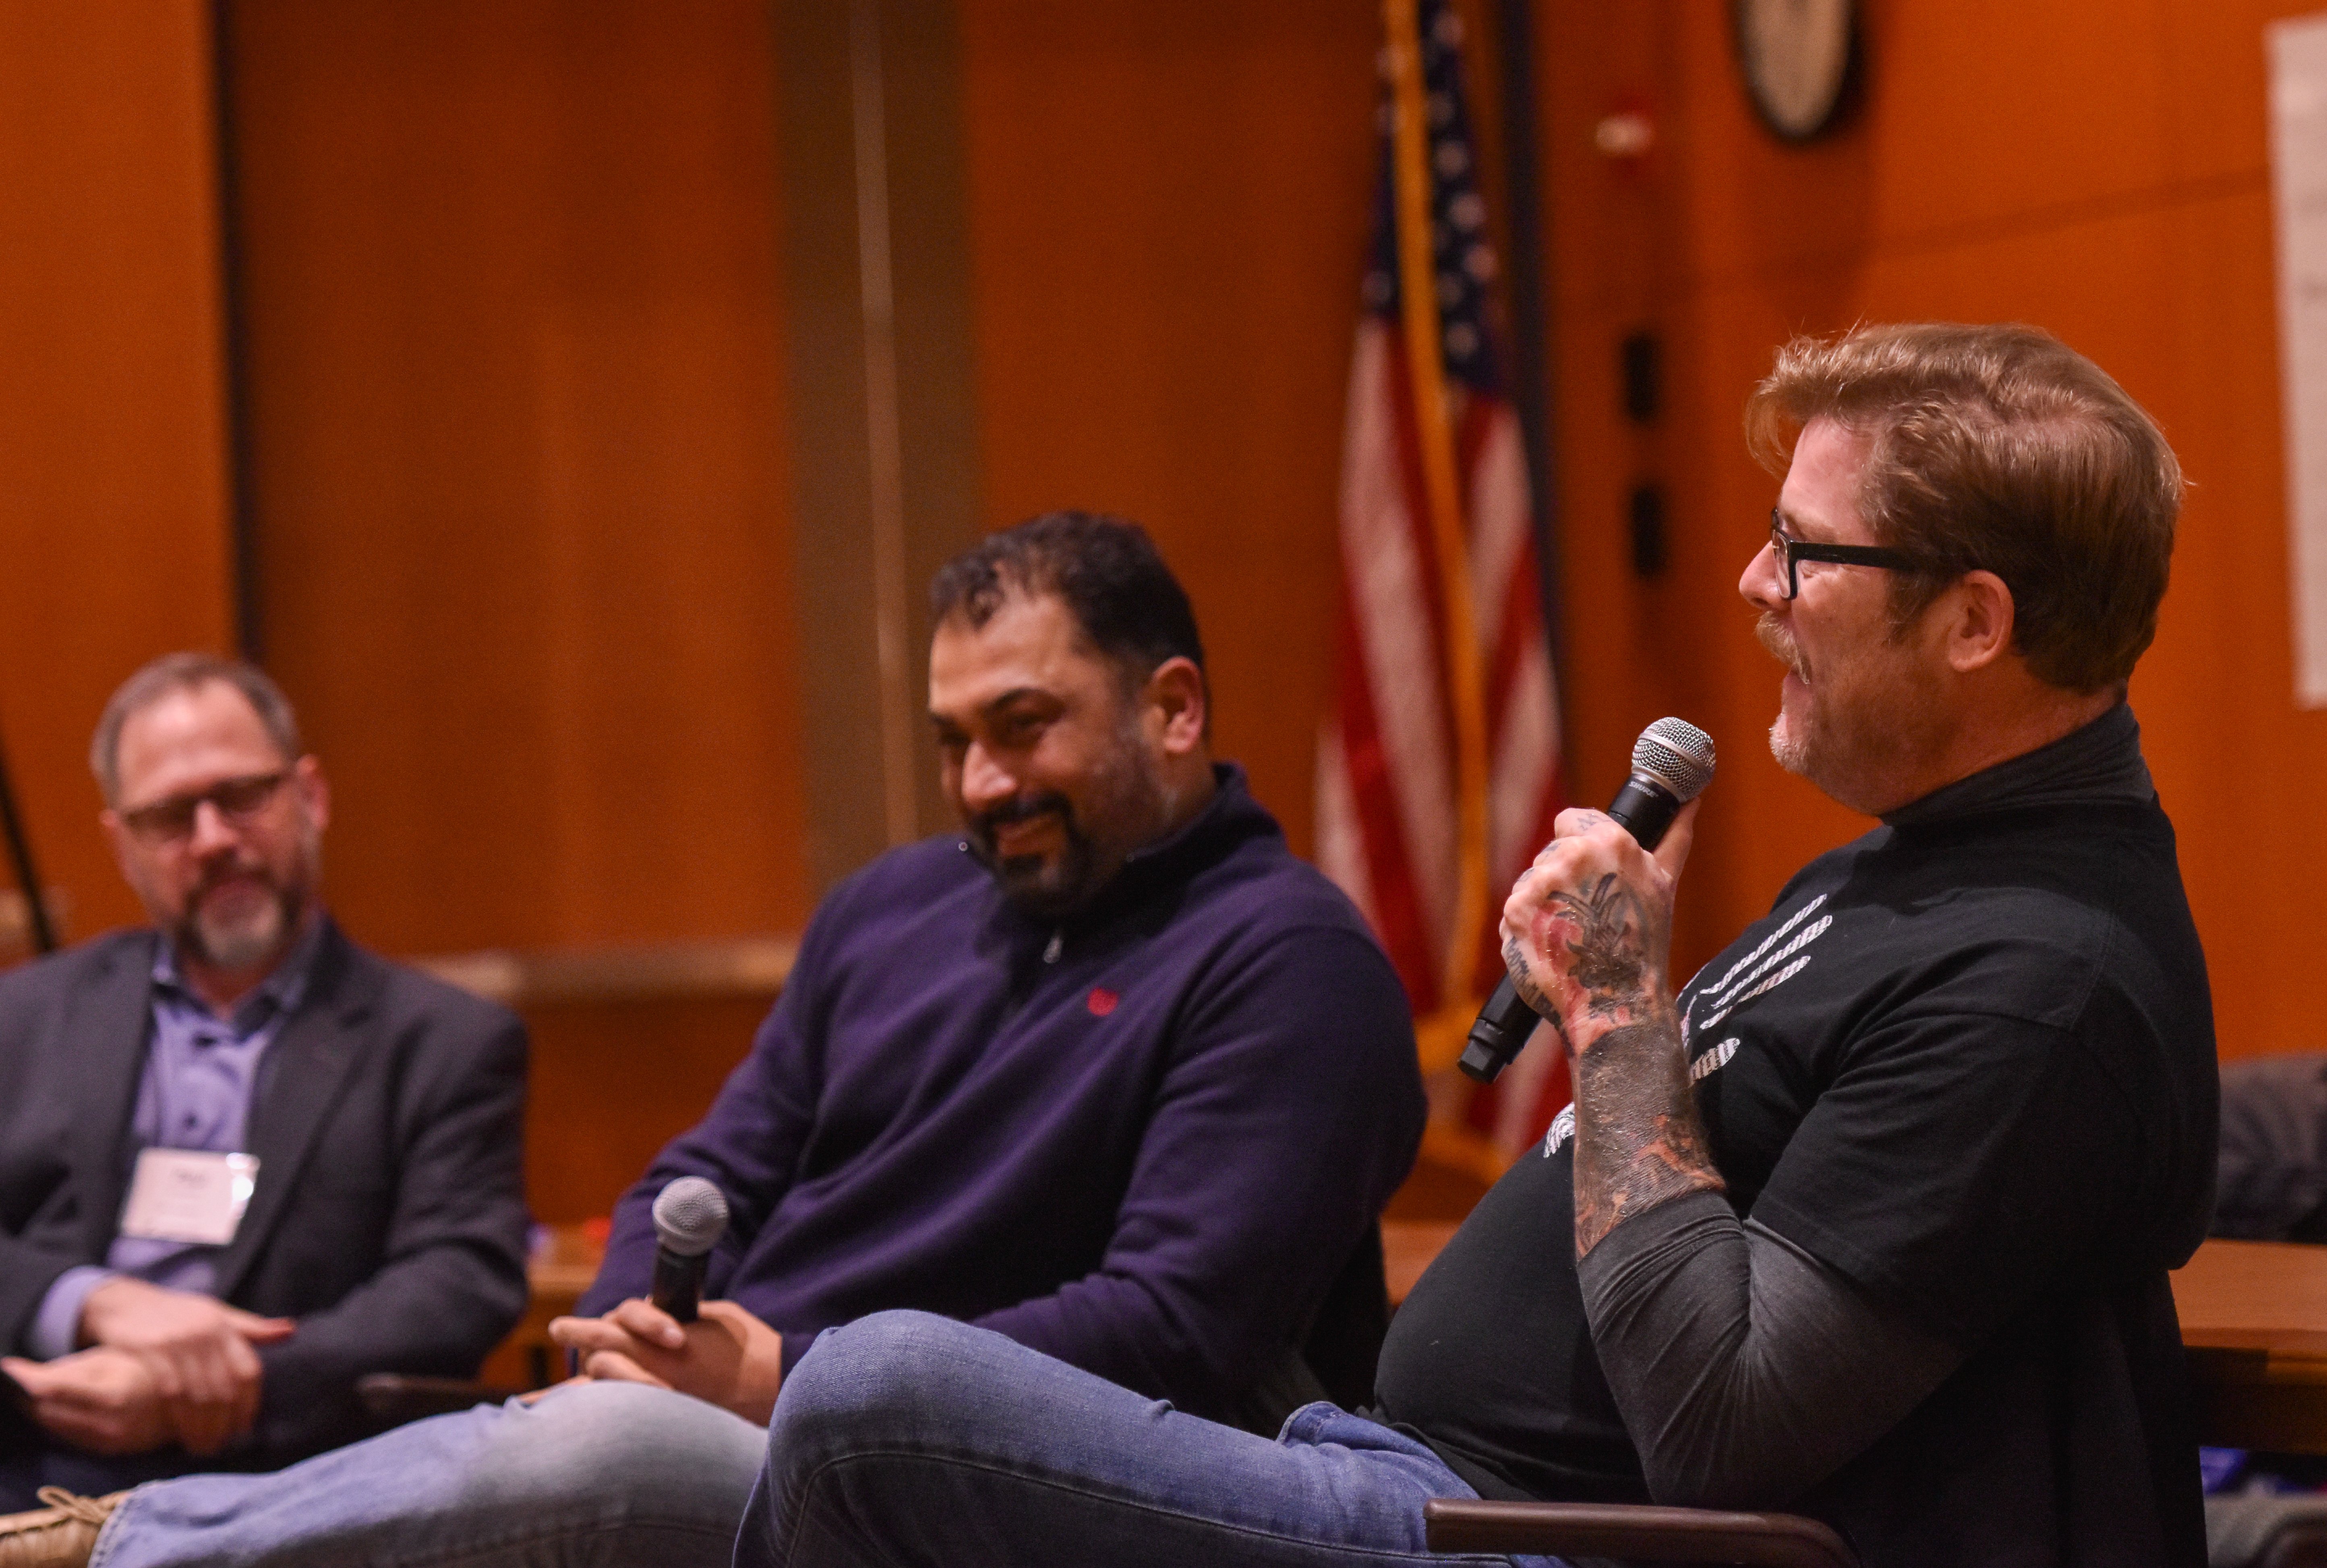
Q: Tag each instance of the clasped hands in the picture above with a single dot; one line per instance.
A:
(160, 1367)
(726, 1357)
(1587, 930)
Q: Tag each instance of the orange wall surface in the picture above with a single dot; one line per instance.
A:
(114, 533)
(1169, 211)
(2096, 167)
(517, 459)
(518, 472)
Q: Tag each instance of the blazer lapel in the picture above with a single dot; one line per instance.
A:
(107, 1032)
(310, 1061)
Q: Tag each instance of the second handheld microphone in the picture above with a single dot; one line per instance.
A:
(1672, 762)
(690, 1216)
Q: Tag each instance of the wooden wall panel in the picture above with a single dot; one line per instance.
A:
(113, 480)
(517, 424)
(1169, 210)
(512, 287)
(2098, 169)
(593, 1120)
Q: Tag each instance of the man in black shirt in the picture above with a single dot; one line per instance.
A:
(1872, 1219)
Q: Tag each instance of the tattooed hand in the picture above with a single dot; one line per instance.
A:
(1587, 927)
(1587, 934)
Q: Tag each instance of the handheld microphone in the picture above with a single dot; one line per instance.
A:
(1672, 762)
(690, 1216)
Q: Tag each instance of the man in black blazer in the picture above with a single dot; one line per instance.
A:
(242, 1160)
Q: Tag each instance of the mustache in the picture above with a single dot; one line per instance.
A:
(1773, 636)
(218, 876)
(1021, 808)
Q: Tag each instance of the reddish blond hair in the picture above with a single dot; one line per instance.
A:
(1996, 448)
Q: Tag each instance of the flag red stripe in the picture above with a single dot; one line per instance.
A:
(1396, 912)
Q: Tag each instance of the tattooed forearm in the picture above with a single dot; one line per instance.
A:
(1587, 948)
(1637, 1139)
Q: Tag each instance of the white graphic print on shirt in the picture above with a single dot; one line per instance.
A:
(1758, 971)
(1750, 976)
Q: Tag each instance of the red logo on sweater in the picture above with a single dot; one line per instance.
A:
(1102, 1000)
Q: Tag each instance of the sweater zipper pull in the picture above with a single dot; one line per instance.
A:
(1058, 942)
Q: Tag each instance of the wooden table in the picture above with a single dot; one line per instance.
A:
(2253, 1317)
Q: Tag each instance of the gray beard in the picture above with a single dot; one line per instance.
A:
(244, 945)
(1786, 747)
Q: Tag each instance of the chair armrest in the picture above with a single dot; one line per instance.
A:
(1634, 1532)
(393, 1398)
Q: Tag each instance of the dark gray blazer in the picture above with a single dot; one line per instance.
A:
(389, 1213)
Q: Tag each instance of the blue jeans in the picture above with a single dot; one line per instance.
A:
(595, 1473)
(906, 1439)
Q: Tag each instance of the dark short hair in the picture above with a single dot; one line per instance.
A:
(175, 672)
(1105, 570)
(1996, 448)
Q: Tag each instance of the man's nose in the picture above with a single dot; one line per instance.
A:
(1760, 583)
(985, 782)
(212, 832)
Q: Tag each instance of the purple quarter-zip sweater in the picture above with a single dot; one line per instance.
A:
(1143, 1141)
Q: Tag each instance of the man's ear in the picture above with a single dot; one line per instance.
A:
(1979, 627)
(116, 838)
(1175, 692)
(314, 789)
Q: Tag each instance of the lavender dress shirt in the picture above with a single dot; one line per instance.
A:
(201, 1072)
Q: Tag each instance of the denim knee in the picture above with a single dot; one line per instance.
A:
(616, 1437)
(866, 1379)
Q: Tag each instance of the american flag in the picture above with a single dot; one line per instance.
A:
(1391, 771)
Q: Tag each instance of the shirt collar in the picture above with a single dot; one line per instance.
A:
(277, 995)
(2097, 764)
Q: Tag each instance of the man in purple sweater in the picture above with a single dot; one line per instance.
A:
(1109, 1072)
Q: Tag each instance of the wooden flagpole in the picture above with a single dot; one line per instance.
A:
(1442, 1033)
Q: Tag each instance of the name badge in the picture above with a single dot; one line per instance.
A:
(187, 1196)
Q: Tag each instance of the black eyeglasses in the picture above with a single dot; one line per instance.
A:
(1792, 552)
(239, 801)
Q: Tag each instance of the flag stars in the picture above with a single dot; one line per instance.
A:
(1462, 263)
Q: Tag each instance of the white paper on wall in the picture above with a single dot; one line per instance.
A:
(2298, 161)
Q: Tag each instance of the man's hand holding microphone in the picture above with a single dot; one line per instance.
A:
(713, 1351)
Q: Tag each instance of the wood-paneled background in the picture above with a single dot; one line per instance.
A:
(551, 382)
(114, 477)
(2098, 169)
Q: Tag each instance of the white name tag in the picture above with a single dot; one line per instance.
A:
(184, 1195)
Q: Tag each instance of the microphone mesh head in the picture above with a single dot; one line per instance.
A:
(690, 1216)
(1677, 754)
